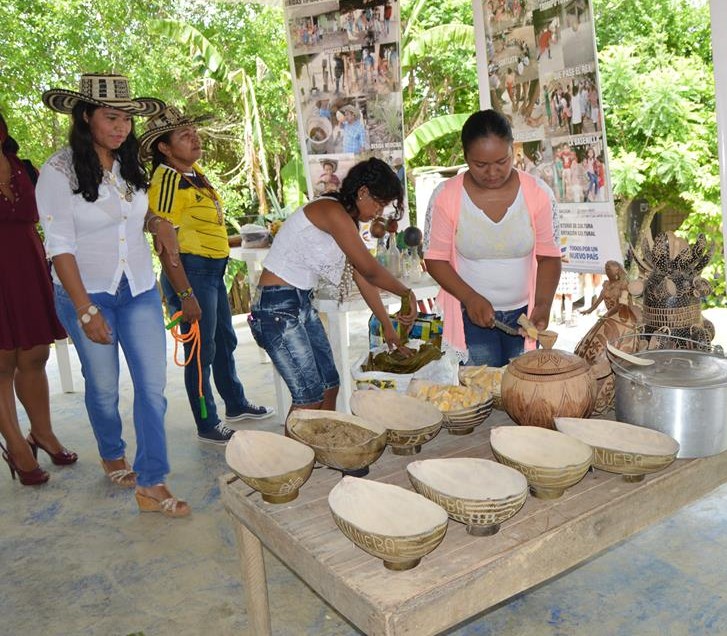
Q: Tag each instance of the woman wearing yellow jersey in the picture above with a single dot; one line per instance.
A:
(181, 193)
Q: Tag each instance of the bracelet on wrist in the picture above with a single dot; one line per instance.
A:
(82, 308)
(85, 317)
(185, 293)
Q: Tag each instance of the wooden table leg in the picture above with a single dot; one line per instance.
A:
(254, 580)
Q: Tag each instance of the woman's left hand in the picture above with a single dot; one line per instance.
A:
(165, 241)
(540, 316)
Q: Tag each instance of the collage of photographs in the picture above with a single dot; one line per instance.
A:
(542, 75)
(345, 55)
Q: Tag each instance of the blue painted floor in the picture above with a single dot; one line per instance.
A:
(76, 558)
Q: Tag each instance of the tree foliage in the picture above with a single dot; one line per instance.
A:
(659, 105)
(229, 59)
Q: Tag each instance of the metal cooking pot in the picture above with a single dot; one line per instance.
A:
(680, 392)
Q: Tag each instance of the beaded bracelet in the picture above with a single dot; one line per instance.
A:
(185, 293)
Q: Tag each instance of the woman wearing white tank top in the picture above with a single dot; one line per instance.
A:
(314, 244)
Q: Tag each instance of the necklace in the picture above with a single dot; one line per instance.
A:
(12, 187)
(206, 190)
(109, 178)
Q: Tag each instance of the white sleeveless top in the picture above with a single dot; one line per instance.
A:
(302, 254)
(495, 258)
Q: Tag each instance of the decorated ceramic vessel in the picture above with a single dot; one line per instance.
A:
(547, 383)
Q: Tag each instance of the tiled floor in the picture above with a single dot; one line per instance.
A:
(77, 558)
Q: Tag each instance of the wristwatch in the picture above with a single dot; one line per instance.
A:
(86, 316)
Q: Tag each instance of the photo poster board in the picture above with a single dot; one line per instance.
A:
(344, 60)
(537, 63)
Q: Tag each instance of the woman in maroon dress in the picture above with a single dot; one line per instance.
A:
(28, 322)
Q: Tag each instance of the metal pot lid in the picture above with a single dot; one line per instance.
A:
(678, 368)
(549, 362)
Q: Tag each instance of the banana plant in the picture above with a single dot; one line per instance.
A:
(253, 163)
(414, 49)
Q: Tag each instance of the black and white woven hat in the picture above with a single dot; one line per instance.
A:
(169, 119)
(103, 89)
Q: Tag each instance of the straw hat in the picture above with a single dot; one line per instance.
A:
(350, 108)
(102, 89)
(169, 119)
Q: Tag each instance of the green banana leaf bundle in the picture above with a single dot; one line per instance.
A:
(396, 362)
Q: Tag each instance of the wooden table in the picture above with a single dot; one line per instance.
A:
(465, 575)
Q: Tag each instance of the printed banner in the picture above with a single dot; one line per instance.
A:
(344, 57)
(542, 73)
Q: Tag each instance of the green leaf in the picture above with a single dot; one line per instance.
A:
(198, 44)
(431, 131)
(435, 40)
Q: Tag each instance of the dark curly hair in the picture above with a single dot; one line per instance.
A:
(485, 123)
(381, 182)
(86, 163)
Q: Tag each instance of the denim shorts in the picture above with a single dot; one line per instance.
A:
(490, 346)
(284, 323)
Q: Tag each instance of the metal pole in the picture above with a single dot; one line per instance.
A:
(718, 11)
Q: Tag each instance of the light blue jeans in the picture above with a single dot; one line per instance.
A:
(137, 326)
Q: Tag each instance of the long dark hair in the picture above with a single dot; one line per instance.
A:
(485, 123)
(10, 146)
(380, 180)
(86, 163)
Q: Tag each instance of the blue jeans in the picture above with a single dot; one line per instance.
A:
(493, 347)
(284, 323)
(137, 326)
(217, 340)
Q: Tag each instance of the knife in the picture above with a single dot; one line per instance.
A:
(507, 329)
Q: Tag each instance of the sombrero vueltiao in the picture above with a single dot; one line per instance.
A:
(169, 119)
(102, 89)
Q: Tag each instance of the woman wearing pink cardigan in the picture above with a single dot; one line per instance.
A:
(493, 246)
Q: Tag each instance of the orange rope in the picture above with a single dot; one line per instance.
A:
(193, 337)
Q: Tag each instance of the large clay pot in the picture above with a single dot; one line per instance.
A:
(544, 384)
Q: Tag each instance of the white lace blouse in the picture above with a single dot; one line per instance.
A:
(106, 237)
(302, 254)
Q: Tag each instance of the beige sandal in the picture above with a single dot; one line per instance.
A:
(169, 507)
(124, 477)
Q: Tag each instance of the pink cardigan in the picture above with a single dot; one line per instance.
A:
(541, 206)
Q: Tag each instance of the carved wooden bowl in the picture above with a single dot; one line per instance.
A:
(409, 422)
(477, 492)
(391, 523)
(551, 461)
(463, 421)
(342, 441)
(272, 464)
(626, 449)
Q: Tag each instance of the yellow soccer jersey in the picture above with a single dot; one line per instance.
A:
(191, 209)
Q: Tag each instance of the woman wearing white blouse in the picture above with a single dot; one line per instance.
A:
(93, 205)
